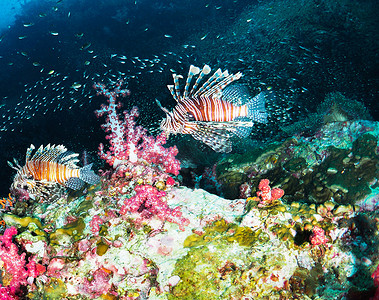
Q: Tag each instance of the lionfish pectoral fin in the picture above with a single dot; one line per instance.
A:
(74, 183)
(217, 138)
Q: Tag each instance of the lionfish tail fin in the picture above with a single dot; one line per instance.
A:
(256, 109)
(87, 175)
(246, 127)
(74, 183)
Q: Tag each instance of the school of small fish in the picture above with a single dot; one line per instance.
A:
(58, 90)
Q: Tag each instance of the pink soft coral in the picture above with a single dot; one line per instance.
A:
(130, 143)
(14, 266)
(318, 236)
(150, 201)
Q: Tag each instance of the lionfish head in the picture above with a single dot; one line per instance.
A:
(168, 125)
(23, 186)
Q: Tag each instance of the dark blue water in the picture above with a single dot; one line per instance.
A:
(56, 50)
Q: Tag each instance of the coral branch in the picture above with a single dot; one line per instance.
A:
(130, 143)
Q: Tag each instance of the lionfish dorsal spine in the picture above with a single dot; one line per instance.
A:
(177, 86)
(56, 151)
(191, 72)
(37, 154)
(209, 82)
(228, 79)
(70, 159)
(213, 86)
(171, 89)
(205, 71)
(46, 153)
(29, 152)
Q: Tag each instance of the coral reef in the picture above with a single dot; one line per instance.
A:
(305, 226)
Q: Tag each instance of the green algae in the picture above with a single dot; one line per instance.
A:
(224, 232)
(13, 220)
(200, 277)
(84, 207)
(208, 272)
(56, 289)
(70, 233)
(101, 248)
(32, 224)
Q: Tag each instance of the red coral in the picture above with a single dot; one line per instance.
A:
(149, 201)
(266, 194)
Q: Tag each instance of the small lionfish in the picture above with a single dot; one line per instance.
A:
(210, 113)
(48, 166)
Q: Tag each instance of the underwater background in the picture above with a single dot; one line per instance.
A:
(317, 62)
(52, 52)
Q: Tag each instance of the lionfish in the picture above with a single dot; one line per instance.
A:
(49, 166)
(215, 111)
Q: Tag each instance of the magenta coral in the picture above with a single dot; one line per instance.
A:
(318, 236)
(128, 142)
(375, 276)
(14, 265)
(151, 202)
(95, 224)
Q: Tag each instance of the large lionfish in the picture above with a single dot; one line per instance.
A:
(212, 113)
(49, 166)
